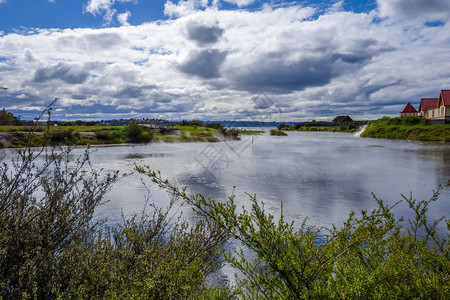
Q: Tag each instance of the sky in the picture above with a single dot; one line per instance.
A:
(222, 59)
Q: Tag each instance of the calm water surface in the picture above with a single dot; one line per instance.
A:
(320, 175)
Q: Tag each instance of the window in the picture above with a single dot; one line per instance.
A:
(442, 111)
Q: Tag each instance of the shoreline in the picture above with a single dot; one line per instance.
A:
(13, 137)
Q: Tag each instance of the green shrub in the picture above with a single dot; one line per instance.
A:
(373, 256)
(277, 132)
(232, 133)
(107, 136)
(286, 127)
(51, 247)
(62, 136)
(137, 133)
(411, 120)
(394, 121)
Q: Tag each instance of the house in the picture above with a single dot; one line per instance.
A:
(342, 120)
(426, 107)
(408, 110)
(436, 110)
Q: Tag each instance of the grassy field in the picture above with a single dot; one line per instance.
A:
(251, 132)
(12, 136)
(12, 128)
(408, 128)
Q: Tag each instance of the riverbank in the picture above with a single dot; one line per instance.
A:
(17, 136)
(407, 128)
(320, 126)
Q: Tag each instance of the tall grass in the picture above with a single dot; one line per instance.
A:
(409, 128)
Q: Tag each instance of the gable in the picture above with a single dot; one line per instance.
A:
(427, 103)
(409, 109)
(444, 98)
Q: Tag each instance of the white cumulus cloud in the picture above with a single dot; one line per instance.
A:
(241, 3)
(105, 7)
(211, 63)
(123, 18)
(185, 7)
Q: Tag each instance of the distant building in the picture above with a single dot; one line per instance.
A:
(408, 111)
(436, 110)
(342, 120)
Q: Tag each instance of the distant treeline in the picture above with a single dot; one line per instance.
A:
(313, 123)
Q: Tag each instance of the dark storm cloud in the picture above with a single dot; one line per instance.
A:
(202, 34)
(162, 97)
(100, 41)
(130, 92)
(361, 95)
(96, 108)
(351, 58)
(149, 87)
(408, 8)
(66, 73)
(204, 63)
(274, 76)
(272, 72)
(79, 97)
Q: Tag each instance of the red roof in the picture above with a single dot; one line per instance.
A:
(445, 98)
(409, 109)
(427, 103)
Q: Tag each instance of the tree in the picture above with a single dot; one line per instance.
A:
(6, 118)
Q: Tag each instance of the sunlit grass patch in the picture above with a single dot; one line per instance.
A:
(410, 128)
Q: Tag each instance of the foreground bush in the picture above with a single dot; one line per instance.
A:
(373, 256)
(52, 247)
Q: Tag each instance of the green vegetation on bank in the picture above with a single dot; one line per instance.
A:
(407, 128)
(321, 126)
(17, 133)
(98, 135)
(75, 128)
(251, 132)
(277, 132)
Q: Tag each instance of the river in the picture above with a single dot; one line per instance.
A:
(316, 174)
